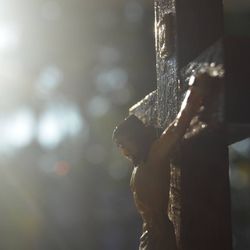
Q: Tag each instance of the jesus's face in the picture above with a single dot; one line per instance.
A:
(129, 149)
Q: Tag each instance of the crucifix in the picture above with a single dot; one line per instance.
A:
(189, 42)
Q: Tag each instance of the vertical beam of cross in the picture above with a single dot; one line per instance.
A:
(188, 37)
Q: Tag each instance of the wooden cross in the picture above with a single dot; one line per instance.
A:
(189, 37)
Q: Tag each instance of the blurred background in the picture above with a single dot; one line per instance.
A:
(69, 71)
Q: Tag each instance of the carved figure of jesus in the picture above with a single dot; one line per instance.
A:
(151, 155)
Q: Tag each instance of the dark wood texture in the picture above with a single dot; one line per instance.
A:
(237, 91)
(199, 25)
(200, 200)
(237, 56)
(205, 210)
(189, 37)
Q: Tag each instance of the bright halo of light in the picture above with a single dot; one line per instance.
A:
(50, 130)
(17, 129)
(59, 121)
(9, 37)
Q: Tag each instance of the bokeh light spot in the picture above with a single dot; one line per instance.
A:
(49, 78)
(58, 122)
(111, 80)
(62, 168)
(98, 106)
(17, 129)
(9, 37)
(50, 132)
